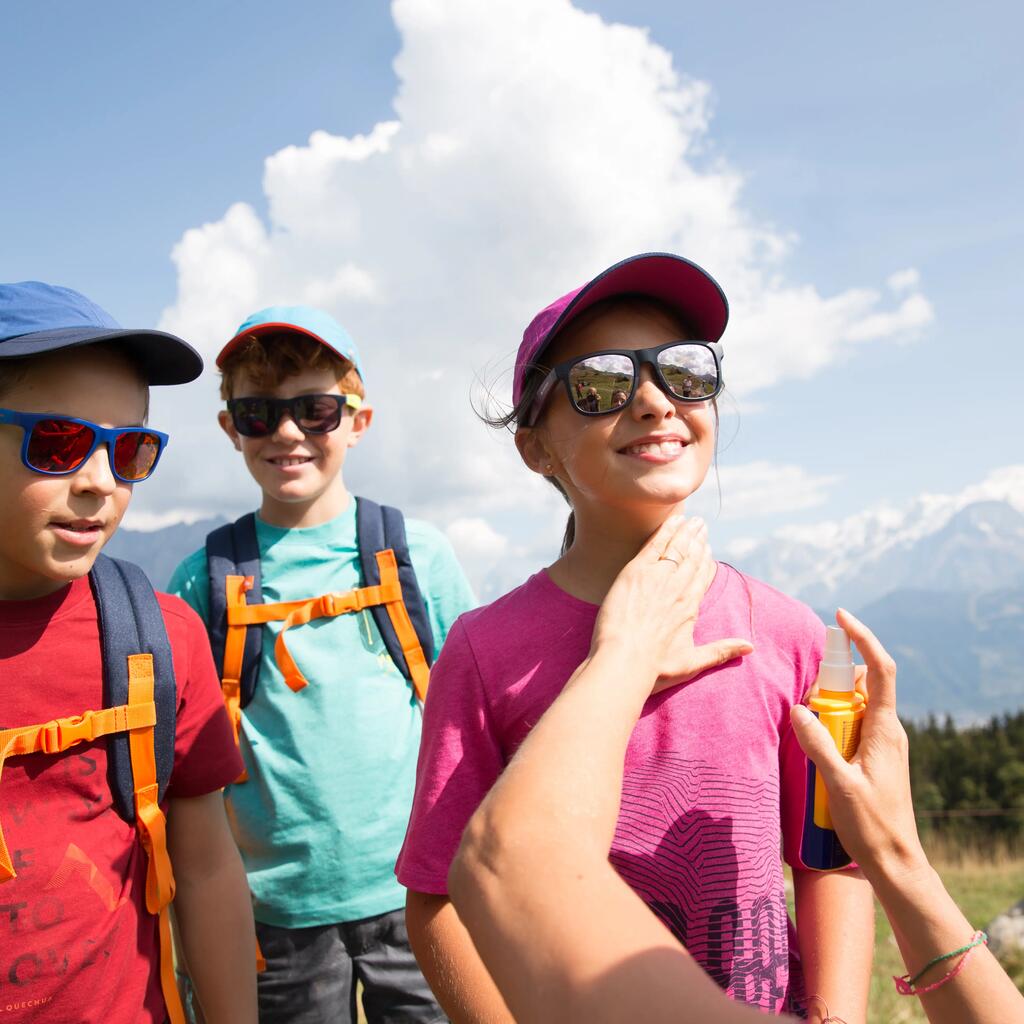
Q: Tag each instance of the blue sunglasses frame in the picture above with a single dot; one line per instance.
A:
(101, 435)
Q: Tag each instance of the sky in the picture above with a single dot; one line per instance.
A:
(434, 171)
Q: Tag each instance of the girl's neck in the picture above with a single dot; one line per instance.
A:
(604, 542)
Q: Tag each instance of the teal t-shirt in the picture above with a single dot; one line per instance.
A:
(331, 768)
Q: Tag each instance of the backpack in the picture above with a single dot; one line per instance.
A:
(389, 590)
(138, 717)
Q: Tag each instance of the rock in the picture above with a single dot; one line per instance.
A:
(1006, 932)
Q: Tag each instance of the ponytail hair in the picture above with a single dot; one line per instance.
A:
(570, 532)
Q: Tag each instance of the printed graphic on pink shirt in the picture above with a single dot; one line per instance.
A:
(712, 876)
(714, 780)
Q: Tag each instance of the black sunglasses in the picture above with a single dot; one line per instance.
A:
(603, 382)
(313, 414)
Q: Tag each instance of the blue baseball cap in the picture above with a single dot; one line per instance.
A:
(314, 323)
(37, 317)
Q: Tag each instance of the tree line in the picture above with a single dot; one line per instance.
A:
(969, 782)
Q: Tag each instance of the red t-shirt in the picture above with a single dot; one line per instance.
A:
(76, 943)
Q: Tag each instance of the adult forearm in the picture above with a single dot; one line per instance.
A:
(579, 945)
(215, 926)
(927, 923)
(553, 808)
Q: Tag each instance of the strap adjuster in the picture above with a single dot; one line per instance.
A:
(62, 733)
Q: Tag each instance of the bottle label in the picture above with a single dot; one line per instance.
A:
(844, 729)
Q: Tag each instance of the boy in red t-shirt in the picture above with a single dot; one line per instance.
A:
(77, 942)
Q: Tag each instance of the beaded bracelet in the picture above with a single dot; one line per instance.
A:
(907, 985)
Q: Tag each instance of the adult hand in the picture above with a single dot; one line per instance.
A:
(651, 608)
(869, 796)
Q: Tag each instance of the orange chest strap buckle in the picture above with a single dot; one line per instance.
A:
(61, 734)
(297, 613)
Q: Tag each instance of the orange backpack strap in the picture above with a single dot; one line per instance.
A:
(139, 763)
(236, 604)
(234, 654)
(152, 827)
(138, 719)
(298, 613)
(387, 564)
(233, 575)
(62, 733)
(388, 593)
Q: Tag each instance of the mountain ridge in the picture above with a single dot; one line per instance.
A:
(941, 582)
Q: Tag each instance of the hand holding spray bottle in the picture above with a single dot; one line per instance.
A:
(839, 707)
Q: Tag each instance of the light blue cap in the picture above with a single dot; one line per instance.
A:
(314, 323)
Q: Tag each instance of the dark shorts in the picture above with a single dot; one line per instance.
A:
(311, 974)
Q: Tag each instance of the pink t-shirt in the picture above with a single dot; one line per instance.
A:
(714, 779)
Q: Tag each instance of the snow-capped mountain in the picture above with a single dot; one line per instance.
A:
(969, 542)
(940, 581)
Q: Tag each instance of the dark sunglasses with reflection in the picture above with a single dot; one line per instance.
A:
(606, 381)
(312, 414)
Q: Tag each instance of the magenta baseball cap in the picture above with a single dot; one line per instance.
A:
(677, 282)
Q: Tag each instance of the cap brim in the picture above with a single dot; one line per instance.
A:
(677, 282)
(163, 358)
(276, 328)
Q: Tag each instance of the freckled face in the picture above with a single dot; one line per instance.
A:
(654, 452)
(53, 527)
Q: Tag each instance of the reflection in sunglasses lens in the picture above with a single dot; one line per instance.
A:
(259, 417)
(689, 371)
(253, 417)
(318, 414)
(135, 454)
(601, 382)
(58, 446)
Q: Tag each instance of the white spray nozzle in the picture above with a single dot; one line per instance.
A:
(836, 669)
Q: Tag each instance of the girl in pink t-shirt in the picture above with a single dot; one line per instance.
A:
(714, 780)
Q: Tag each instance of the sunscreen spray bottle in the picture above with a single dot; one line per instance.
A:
(840, 708)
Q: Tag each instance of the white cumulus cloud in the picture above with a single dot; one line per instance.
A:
(533, 144)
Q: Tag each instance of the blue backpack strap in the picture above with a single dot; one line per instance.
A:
(131, 623)
(379, 527)
(233, 550)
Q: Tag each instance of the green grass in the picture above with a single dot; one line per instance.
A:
(983, 889)
(983, 886)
